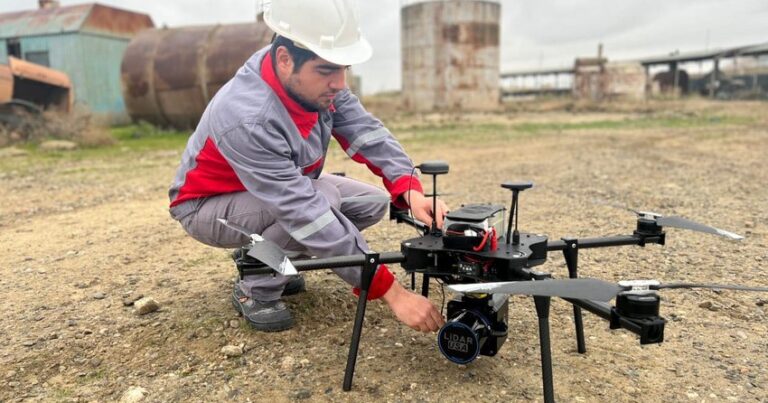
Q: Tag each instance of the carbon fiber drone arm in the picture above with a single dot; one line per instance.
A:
(326, 263)
(610, 241)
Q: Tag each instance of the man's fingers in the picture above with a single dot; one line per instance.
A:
(438, 318)
(432, 326)
(423, 212)
(433, 319)
(442, 210)
(424, 215)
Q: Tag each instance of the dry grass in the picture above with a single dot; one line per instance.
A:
(79, 126)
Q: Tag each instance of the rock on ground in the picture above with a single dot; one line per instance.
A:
(133, 394)
(146, 305)
(232, 351)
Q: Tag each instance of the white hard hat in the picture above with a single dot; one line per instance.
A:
(329, 28)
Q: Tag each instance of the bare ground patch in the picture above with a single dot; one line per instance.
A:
(78, 236)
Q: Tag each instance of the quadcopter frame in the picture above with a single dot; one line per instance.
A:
(432, 255)
(413, 255)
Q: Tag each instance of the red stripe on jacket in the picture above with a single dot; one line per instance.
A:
(211, 175)
(312, 167)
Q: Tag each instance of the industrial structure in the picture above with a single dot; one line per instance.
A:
(85, 41)
(170, 75)
(596, 78)
(719, 82)
(450, 54)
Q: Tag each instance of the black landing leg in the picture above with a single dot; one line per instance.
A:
(542, 311)
(369, 269)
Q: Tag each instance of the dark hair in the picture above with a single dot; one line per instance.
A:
(299, 55)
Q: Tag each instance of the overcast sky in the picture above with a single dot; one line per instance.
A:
(535, 33)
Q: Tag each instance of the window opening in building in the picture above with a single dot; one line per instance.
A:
(40, 58)
(14, 48)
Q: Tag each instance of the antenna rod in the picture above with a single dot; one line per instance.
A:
(516, 188)
(516, 234)
(434, 204)
(511, 217)
(434, 168)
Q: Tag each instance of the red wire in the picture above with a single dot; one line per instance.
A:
(482, 243)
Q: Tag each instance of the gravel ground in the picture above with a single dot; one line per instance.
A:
(83, 238)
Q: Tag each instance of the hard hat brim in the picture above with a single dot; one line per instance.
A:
(356, 53)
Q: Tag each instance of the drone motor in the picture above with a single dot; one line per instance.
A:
(640, 304)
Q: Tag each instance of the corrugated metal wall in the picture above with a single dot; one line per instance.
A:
(3, 52)
(93, 64)
(100, 70)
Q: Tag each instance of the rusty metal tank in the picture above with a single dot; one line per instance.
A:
(450, 54)
(170, 75)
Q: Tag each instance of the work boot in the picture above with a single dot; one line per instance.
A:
(295, 285)
(267, 316)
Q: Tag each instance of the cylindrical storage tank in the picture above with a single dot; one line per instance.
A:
(450, 53)
(170, 75)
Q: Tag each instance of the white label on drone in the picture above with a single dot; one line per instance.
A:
(638, 285)
(287, 268)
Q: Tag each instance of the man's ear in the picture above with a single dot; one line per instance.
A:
(283, 62)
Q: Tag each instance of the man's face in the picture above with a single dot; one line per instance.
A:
(316, 83)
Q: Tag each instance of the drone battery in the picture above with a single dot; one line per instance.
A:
(465, 228)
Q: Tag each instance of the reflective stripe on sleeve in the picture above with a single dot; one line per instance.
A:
(370, 136)
(314, 226)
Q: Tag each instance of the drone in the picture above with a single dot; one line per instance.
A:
(484, 265)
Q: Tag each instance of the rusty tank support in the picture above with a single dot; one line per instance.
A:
(170, 75)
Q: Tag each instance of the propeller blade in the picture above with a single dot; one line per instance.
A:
(679, 222)
(271, 255)
(711, 287)
(265, 251)
(235, 227)
(382, 199)
(578, 288)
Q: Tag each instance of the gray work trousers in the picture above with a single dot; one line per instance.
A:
(199, 218)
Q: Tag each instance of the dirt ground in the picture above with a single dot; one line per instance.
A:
(79, 236)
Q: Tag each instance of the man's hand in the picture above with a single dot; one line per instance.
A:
(414, 310)
(421, 207)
